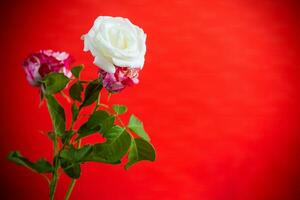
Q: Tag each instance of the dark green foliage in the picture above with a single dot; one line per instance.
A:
(76, 70)
(55, 82)
(41, 166)
(140, 150)
(91, 93)
(75, 91)
(57, 115)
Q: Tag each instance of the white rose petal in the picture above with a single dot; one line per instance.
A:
(115, 41)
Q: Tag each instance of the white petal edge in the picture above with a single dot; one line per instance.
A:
(104, 64)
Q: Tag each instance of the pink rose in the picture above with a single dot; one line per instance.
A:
(123, 77)
(39, 64)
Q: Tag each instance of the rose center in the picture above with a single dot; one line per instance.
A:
(119, 37)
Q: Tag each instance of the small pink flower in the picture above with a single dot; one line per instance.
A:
(39, 64)
(123, 77)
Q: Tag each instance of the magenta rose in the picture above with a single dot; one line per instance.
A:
(39, 64)
(123, 77)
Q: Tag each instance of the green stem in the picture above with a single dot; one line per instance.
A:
(65, 96)
(70, 189)
(97, 104)
(73, 182)
(108, 96)
(54, 180)
(84, 81)
(114, 113)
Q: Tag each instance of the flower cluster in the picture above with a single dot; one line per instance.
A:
(116, 82)
(119, 49)
(39, 64)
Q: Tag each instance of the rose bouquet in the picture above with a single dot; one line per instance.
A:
(118, 48)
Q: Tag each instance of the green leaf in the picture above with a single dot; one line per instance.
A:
(67, 136)
(120, 109)
(140, 150)
(82, 152)
(75, 91)
(76, 70)
(51, 135)
(137, 126)
(113, 149)
(98, 117)
(71, 159)
(75, 112)
(73, 155)
(91, 92)
(71, 169)
(57, 115)
(55, 82)
(86, 130)
(41, 166)
(17, 158)
(107, 124)
(94, 123)
(113, 133)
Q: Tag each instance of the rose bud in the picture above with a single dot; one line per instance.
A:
(39, 64)
(123, 77)
(119, 48)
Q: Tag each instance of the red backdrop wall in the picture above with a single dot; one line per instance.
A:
(219, 95)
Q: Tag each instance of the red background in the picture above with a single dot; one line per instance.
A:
(219, 96)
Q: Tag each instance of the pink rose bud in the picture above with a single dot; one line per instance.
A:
(39, 64)
(123, 77)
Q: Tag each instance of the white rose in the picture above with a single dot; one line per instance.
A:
(115, 41)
